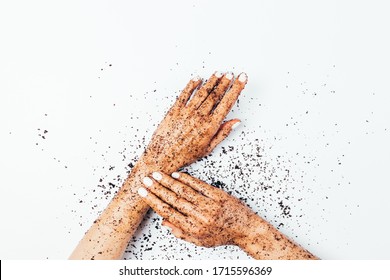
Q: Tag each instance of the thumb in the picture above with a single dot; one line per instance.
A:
(223, 132)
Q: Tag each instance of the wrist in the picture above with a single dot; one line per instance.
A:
(256, 227)
(146, 165)
(263, 241)
(151, 162)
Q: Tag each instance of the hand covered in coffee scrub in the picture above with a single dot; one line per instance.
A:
(207, 216)
(190, 130)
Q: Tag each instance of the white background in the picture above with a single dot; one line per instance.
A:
(318, 91)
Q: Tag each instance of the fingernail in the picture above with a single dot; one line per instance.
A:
(229, 76)
(197, 78)
(218, 74)
(157, 176)
(147, 181)
(237, 124)
(175, 175)
(243, 77)
(142, 192)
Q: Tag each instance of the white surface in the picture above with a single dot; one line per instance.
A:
(329, 59)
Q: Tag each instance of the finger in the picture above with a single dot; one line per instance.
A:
(179, 188)
(164, 209)
(229, 98)
(187, 92)
(222, 133)
(215, 96)
(172, 198)
(198, 185)
(204, 91)
(174, 229)
(165, 223)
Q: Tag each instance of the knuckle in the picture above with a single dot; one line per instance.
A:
(209, 219)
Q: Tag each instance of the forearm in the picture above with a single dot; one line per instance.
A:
(265, 242)
(109, 235)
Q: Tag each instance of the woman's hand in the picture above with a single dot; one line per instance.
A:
(192, 127)
(207, 216)
(197, 212)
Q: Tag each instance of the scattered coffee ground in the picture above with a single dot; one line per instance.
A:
(273, 185)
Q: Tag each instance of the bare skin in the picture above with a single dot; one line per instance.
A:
(208, 216)
(190, 130)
